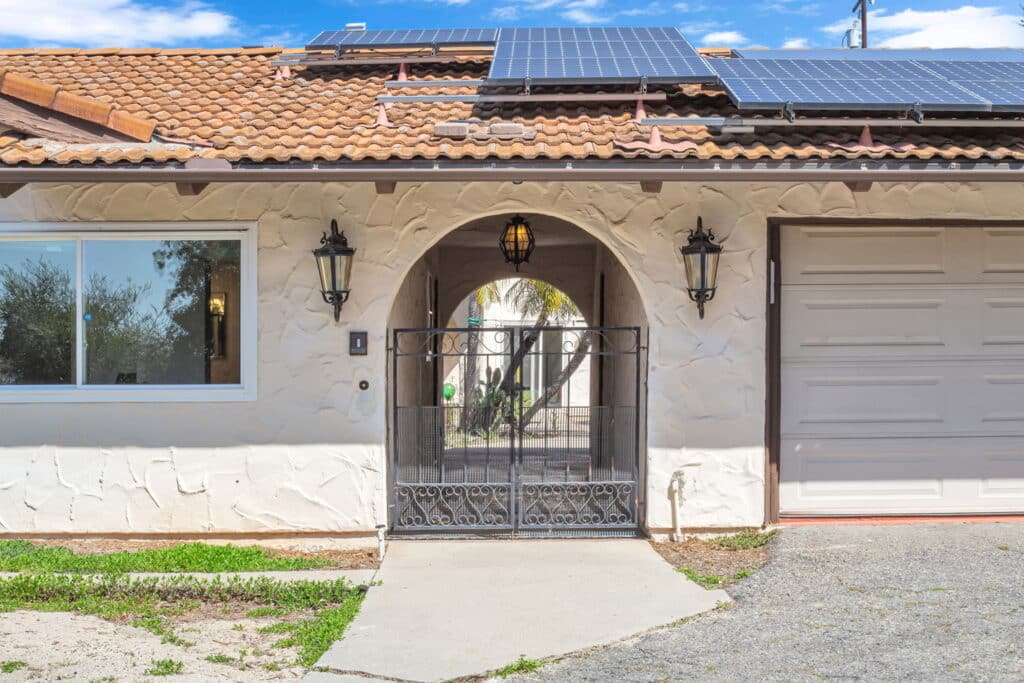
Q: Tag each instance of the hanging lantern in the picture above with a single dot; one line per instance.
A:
(517, 241)
(334, 261)
(700, 257)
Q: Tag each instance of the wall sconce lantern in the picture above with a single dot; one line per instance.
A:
(700, 257)
(517, 241)
(334, 261)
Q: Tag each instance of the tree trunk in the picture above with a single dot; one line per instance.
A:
(529, 340)
(471, 380)
(578, 356)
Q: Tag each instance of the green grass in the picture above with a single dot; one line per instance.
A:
(744, 540)
(311, 637)
(522, 666)
(22, 556)
(219, 659)
(12, 666)
(150, 602)
(165, 667)
(710, 581)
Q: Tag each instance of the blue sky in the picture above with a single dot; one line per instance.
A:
(771, 23)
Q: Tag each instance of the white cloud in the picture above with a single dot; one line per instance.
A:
(584, 16)
(795, 44)
(805, 9)
(104, 23)
(650, 10)
(725, 38)
(966, 26)
(505, 13)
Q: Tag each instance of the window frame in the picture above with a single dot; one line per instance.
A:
(245, 232)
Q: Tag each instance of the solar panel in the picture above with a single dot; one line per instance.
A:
(1004, 95)
(791, 69)
(977, 71)
(921, 55)
(842, 84)
(1001, 83)
(596, 55)
(329, 40)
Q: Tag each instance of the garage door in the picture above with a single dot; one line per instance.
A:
(902, 370)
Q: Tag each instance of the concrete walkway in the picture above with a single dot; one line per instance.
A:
(456, 608)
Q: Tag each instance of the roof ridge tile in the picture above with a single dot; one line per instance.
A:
(54, 97)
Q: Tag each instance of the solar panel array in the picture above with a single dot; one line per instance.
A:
(886, 54)
(553, 55)
(842, 84)
(330, 40)
(897, 80)
(594, 55)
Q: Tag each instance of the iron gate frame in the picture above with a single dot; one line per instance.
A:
(510, 494)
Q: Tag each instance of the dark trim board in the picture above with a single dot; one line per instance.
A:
(773, 327)
(773, 370)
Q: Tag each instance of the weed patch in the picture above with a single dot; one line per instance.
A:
(744, 540)
(313, 636)
(12, 666)
(710, 581)
(521, 666)
(165, 667)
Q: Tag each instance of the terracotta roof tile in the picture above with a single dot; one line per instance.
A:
(230, 105)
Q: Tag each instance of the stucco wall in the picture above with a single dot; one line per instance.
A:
(310, 452)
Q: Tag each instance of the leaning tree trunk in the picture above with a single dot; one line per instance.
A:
(471, 380)
(508, 382)
(578, 356)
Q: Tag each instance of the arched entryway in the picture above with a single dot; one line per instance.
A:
(521, 423)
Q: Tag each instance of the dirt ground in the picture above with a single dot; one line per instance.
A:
(705, 557)
(354, 558)
(62, 646)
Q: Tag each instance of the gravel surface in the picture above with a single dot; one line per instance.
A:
(920, 603)
(60, 646)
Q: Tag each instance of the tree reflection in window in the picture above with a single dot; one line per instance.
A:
(37, 313)
(147, 311)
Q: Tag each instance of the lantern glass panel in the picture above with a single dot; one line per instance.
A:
(343, 271)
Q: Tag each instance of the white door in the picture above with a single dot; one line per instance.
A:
(902, 370)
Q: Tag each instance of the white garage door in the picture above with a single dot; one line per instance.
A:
(902, 370)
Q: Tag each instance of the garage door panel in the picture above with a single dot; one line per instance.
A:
(902, 370)
(908, 476)
(1002, 253)
(909, 399)
(902, 322)
(836, 254)
(1002, 321)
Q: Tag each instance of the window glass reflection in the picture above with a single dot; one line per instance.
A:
(37, 312)
(162, 311)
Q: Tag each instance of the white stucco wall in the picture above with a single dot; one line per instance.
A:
(309, 454)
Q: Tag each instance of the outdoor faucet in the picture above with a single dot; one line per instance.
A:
(677, 486)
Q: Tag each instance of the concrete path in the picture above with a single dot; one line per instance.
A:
(355, 576)
(456, 608)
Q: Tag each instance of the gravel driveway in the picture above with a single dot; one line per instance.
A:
(922, 603)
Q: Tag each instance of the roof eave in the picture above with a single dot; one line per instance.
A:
(591, 170)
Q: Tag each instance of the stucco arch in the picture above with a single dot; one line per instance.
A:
(602, 239)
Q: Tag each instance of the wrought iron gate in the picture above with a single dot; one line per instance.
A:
(523, 430)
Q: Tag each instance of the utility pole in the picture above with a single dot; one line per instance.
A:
(862, 5)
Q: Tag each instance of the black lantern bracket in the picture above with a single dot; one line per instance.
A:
(333, 259)
(700, 257)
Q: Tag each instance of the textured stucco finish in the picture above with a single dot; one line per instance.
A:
(310, 452)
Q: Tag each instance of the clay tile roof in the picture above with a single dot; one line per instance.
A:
(63, 100)
(233, 104)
